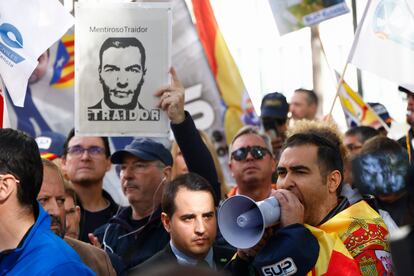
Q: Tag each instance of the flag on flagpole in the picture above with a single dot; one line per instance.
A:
(225, 71)
(27, 29)
(384, 41)
(357, 112)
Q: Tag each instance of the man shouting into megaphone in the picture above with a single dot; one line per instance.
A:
(319, 232)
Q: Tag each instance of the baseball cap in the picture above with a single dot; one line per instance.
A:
(406, 88)
(50, 144)
(274, 105)
(382, 112)
(145, 149)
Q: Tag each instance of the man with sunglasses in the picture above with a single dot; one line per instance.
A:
(251, 163)
(85, 162)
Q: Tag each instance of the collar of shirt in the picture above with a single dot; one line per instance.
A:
(183, 259)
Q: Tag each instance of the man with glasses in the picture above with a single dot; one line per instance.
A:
(85, 162)
(251, 163)
(27, 244)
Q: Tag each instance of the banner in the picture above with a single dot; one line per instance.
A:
(239, 108)
(384, 41)
(357, 112)
(27, 29)
(121, 61)
(291, 15)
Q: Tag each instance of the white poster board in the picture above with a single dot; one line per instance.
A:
(122, 57)
(292, 15)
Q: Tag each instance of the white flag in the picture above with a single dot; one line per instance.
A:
(27, 29)
(384, 42)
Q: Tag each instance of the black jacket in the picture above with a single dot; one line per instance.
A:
(221, 257)
(134, 245)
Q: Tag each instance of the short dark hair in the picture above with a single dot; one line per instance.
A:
(329, 153)
(190, 181)
(19, 156)
(311, 98)
(381, 144)
(72, 134)
(122, 42)
(363, 132)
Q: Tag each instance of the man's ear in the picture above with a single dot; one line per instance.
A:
(166, 172)
(7, 186)
(334, 179)
(166, 221)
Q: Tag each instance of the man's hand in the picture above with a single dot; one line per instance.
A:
(94, 240)
(172, 99)
(291, 209)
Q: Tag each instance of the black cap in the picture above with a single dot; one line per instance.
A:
(145, 149)
(409, 89)
(274, 105)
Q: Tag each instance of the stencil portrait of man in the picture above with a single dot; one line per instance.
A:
(121, 73)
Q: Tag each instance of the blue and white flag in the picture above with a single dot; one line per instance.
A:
(27, 29)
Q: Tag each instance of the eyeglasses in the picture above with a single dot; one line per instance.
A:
(92, 151)
(257, 152)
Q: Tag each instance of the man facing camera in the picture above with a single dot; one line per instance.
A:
(121, 72)
(189, 216)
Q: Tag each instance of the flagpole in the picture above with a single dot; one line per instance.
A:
(351, 53)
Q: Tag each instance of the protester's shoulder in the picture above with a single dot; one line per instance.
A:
(164, 256)
(61, 258)
(87, 248)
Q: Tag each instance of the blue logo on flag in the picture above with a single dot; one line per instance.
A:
(11, 36)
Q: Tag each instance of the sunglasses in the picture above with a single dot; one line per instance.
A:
(257, 152)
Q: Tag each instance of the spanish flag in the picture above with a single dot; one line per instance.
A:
(64, 66)
(334, 258)
(222, 65)
(354, 242)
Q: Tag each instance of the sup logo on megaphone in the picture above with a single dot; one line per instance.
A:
(242, 221)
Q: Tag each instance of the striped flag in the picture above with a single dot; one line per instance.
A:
(357, 112)
(225, 71)
(334, 258)
(64, 66)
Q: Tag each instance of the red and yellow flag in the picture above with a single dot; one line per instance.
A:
(222, 65)
(355, 236)
(64, 66)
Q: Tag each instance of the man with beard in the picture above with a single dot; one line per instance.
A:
(52, 198)
(121, 73)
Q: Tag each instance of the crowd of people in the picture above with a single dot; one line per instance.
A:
(342, 197)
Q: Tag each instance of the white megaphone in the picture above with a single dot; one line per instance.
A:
(242, 221)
